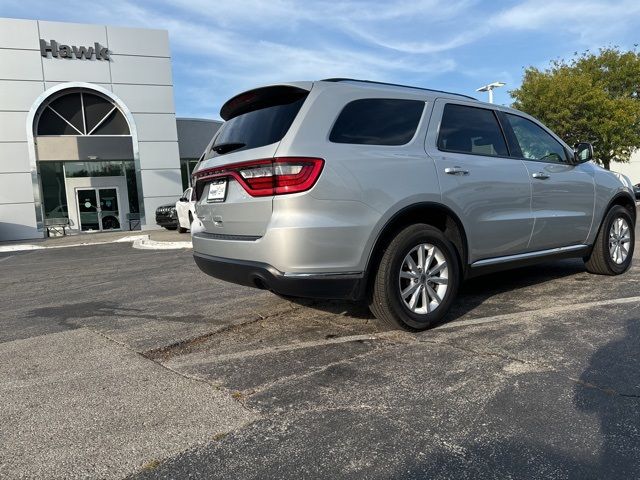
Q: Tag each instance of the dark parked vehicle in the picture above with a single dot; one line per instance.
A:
(636, 190)
(167, 217)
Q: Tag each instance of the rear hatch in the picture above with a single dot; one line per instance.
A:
(235, 181)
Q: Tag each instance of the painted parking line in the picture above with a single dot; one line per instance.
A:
(542, 311)
(241, 355)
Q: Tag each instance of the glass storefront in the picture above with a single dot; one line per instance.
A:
(94, 169)
(54, 174)
(54, 193)
(186, 168)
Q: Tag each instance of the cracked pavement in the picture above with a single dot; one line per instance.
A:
(119, 363)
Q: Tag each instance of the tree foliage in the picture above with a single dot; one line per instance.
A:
(594, 97)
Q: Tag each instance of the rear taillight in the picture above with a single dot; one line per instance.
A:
(267, 177)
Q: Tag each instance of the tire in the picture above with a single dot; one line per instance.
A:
(110, 223)
(182, 230)
(386, 300)
(601, 261)
(170, 228)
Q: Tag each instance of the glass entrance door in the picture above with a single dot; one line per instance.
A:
(98, 209)
(109, 209)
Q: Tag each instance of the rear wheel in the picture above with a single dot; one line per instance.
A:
(417, 279)
(613, 249)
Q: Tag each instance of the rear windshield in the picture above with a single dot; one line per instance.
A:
(258, 118)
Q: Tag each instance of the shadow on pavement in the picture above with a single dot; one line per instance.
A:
(472, 293)
(610, 388)
(64, 314)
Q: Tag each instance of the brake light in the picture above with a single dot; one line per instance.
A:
(261, 178)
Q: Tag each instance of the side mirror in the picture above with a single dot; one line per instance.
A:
(183, 199)
(583, 152)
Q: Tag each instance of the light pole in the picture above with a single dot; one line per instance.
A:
(489, 88)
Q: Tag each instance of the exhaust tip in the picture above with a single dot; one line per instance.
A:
(260, 283)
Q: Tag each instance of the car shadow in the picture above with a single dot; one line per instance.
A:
(473, 292)
(610, 388)
(476, 291)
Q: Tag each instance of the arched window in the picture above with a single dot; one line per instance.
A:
(80, 112)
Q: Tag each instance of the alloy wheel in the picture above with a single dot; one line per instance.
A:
(619, 239)
(423, 279)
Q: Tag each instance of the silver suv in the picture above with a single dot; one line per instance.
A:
(368, 191)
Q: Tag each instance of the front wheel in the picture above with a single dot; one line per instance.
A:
(417, 279)
(613, 249)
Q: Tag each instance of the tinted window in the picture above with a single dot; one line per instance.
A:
(534, 142)
(64, 115)
(259, 127)
(471, 130)
(377, 121)
(69, 107)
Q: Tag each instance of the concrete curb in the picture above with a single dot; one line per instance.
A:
(142, 242)
(148, 244)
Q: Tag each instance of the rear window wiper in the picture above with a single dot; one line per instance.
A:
(222, 148)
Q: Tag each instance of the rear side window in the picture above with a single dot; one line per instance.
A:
(377, 121)
(471, 130)
(535, 143)
(257, 118)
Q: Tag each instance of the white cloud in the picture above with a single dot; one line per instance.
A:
(591, 22)
(222, 47)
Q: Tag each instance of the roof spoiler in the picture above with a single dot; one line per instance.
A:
(262, 97)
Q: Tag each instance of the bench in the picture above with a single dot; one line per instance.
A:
(134, 221)
(56, 225)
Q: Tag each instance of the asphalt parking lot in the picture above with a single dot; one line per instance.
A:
(117, 362)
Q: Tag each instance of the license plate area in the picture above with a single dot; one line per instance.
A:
(217, 191)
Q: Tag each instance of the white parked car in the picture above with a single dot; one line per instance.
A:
(186, 209)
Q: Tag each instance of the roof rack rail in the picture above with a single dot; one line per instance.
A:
(395, 85)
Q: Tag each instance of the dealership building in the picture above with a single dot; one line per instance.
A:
(88, 132)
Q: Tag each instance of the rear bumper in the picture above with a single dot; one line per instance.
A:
(343, 286)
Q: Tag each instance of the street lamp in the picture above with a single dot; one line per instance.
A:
(489, 88)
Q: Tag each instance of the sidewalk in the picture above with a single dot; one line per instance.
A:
(145, 239)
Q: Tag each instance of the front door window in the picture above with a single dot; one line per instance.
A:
(88, 209)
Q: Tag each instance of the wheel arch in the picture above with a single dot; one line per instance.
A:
(624, 200)
(431, 213)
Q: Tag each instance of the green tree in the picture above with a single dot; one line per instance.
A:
(592, 98)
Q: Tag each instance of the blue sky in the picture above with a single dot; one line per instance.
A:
(222, 47)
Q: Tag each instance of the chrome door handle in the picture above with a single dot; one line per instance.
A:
(456, 171)
(540, 176)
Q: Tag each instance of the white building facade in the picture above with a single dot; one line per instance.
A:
(630, 169)
(87, 127)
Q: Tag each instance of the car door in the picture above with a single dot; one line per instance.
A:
(182, 208)
(563, 193)
(488, 190)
